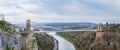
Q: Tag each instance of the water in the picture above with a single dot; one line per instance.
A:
(63, 43)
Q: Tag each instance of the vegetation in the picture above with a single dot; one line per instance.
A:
(5, 26)
(88, 40)
(110, 41)
(44, 41)
(81, 40)
(113, 27)
(7, 47)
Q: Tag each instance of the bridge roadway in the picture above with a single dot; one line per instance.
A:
(64, 31)
(61, 31)
(68, 30)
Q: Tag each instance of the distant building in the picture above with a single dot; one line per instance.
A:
(19, 29)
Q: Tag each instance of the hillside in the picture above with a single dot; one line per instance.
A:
(110, 41)
(5, 26)
(44, 41)
(81, 40)
(88, 41)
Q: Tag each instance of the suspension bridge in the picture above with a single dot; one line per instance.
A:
(29, 23)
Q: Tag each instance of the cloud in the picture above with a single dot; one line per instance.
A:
(60, 10)
(30, 6)
(72, 7)
(3, 1)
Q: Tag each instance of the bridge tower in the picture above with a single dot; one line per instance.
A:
(100, 27)
(26, 34)
(28, 26)
(27, 37)
(100, 31)
(99, 35)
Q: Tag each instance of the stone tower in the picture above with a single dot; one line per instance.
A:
(100, 27)
(99, 36)
(100, 31)
(28, 40)
(28, 26)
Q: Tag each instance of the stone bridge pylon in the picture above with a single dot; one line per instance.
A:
(100, 31)
(27, 38)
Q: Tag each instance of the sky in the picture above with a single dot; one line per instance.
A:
(45, 11)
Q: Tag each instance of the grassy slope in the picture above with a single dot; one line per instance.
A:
(44, 41)
(81, 40)
(5, 26)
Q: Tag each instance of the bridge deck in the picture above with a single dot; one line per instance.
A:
(63, 31)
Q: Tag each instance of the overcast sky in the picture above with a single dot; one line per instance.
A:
(17, 11)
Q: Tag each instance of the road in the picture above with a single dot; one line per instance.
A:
(63, 44)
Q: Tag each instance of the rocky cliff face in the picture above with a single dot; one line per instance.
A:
(110, 41)
(28, 42)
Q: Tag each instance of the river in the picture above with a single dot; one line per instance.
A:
(63, 43)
